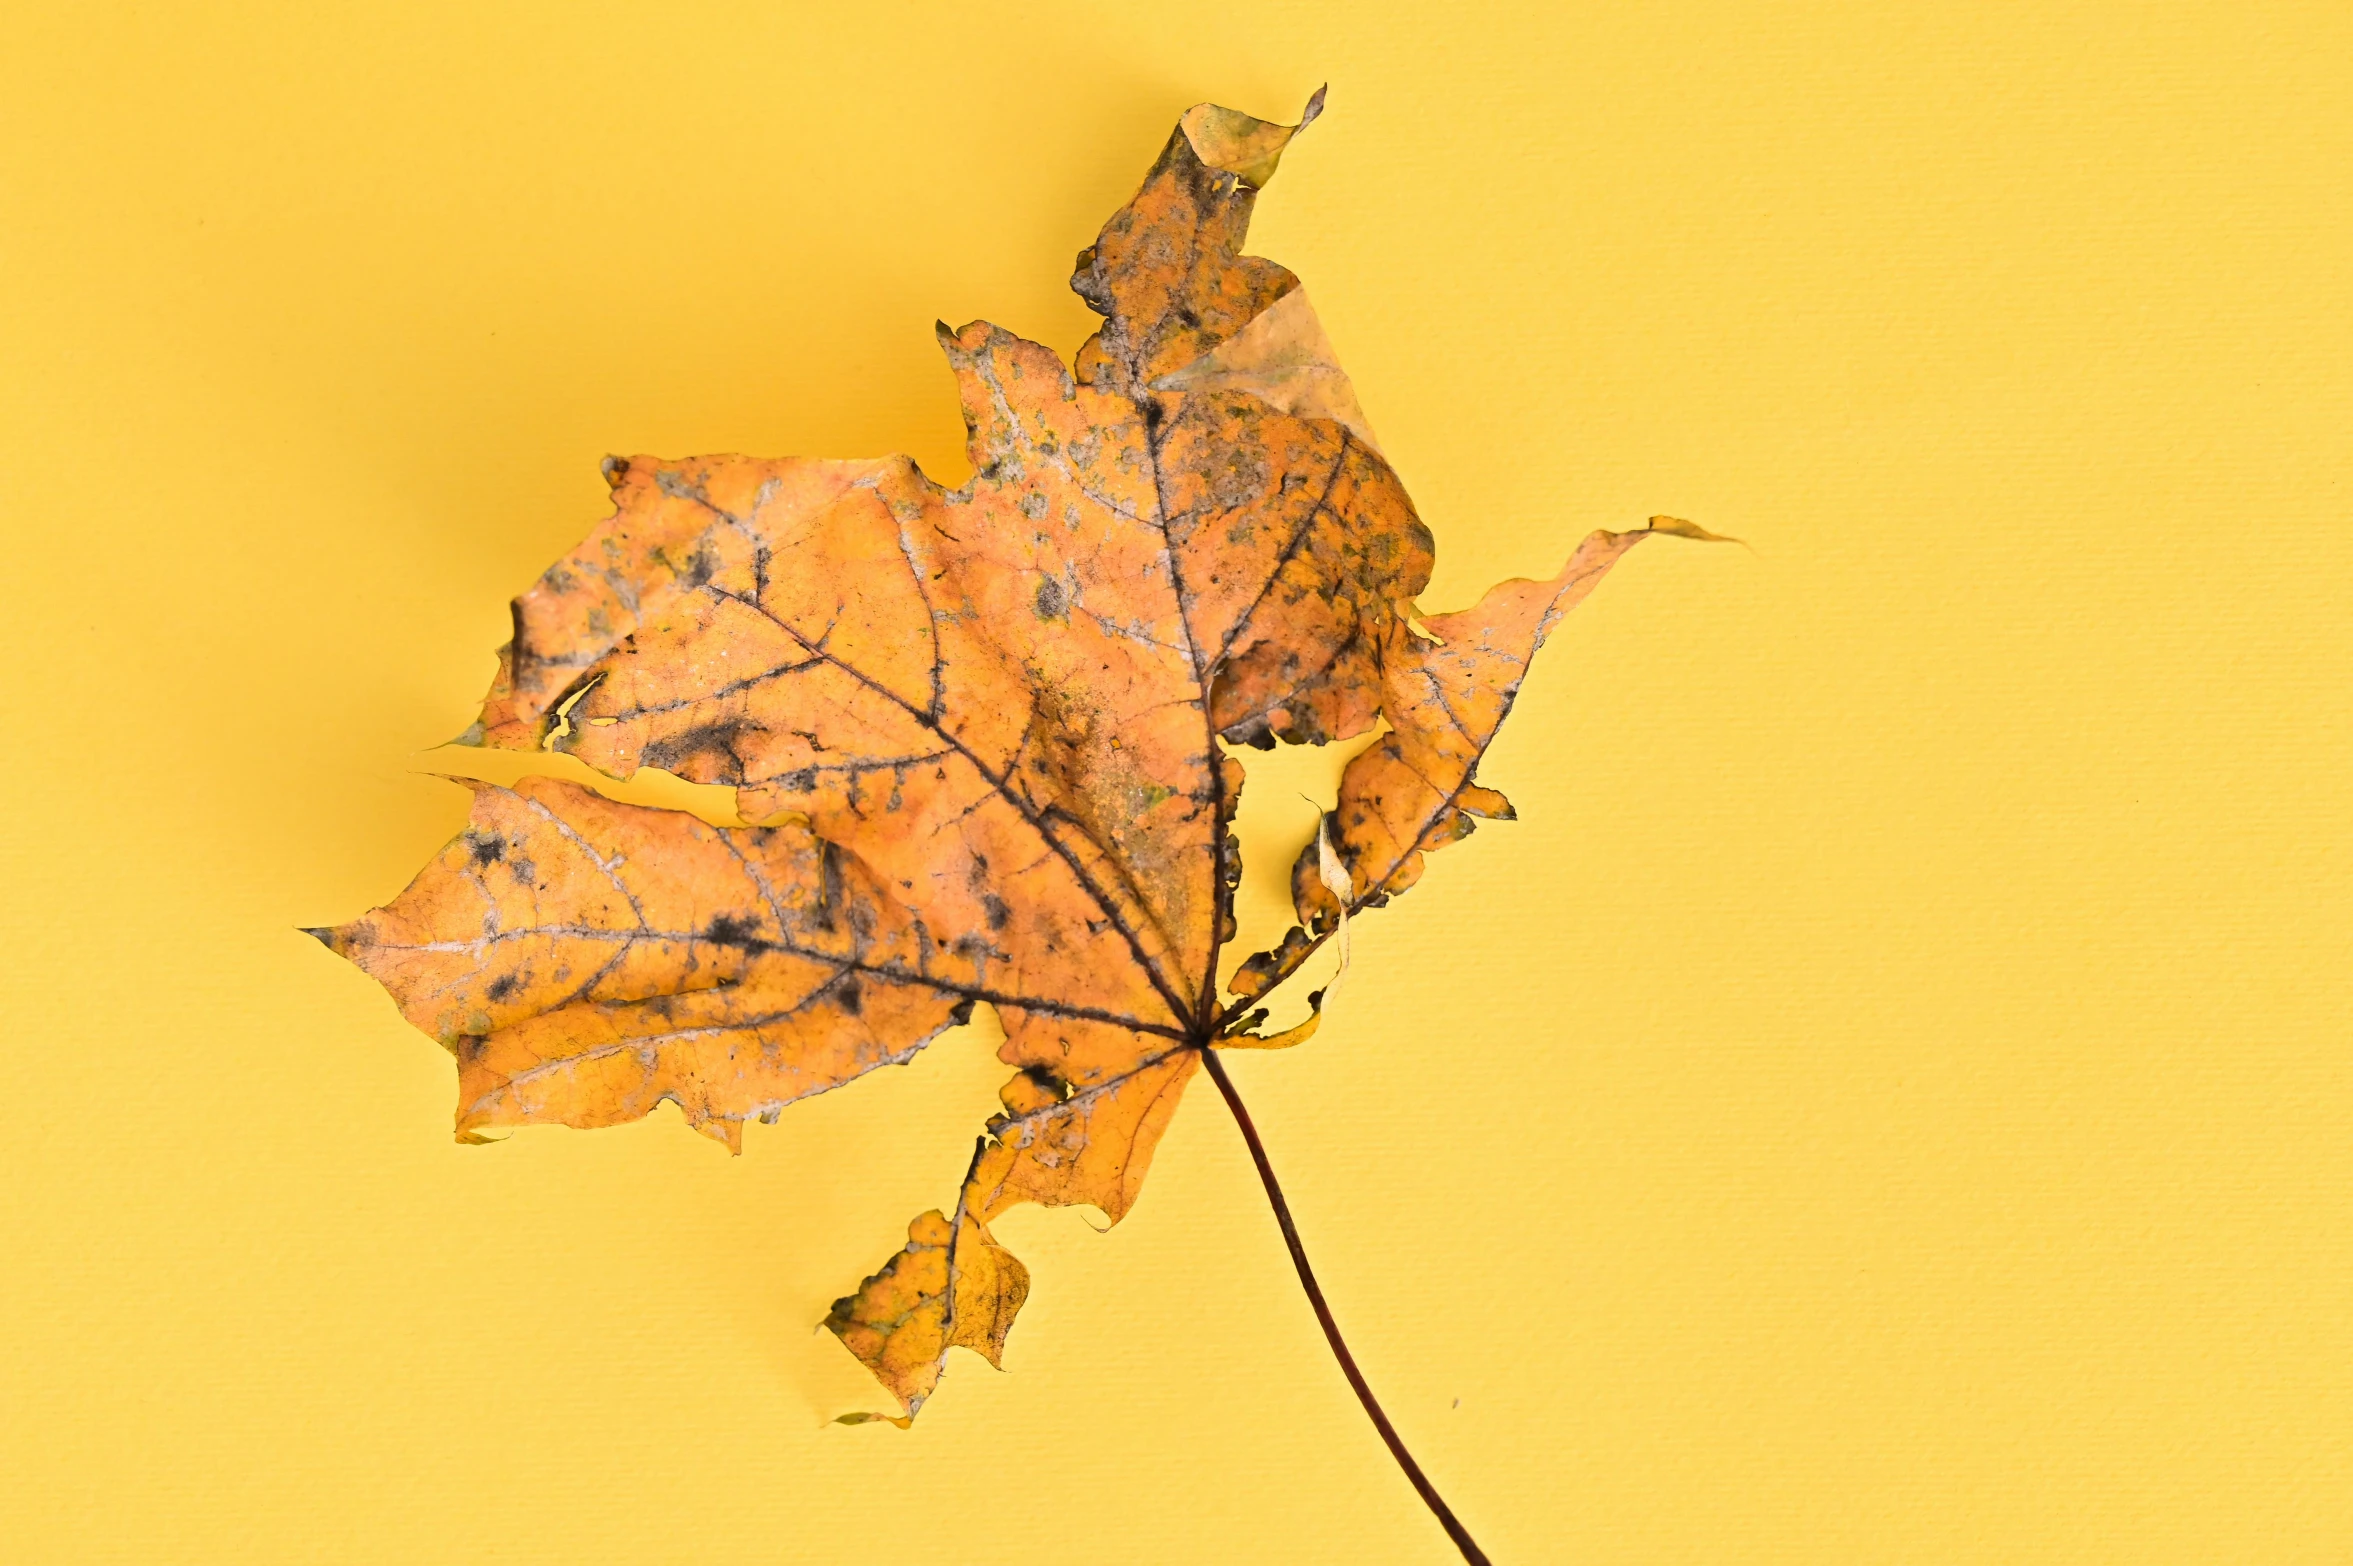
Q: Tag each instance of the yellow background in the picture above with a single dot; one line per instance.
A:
(1888, 1100)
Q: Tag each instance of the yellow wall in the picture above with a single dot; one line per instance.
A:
(1889, 1099)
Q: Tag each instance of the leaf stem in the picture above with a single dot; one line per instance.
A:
(1323, 1314)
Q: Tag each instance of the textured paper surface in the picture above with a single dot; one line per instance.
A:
(1903, 1041)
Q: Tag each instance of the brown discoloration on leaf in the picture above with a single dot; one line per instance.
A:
(951, 1287)
(1091, 1147)
(1445, 700)
(1412, 791)
(585, 960)
(1054, 1146)
(982, 731)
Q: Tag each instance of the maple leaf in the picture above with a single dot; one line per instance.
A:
(984, 731)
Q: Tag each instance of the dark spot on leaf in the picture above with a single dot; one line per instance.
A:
(501, 987)
(736, 930)
(829, 883)
(853, 999)
(700, 567)
(487, 850)
(716, 741)
(1051, 599)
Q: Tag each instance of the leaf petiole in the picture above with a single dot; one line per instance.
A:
(1323, 1315)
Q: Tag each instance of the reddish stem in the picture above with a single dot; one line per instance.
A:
(1323, 1314)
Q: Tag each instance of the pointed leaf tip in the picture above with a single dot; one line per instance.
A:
(1679, 528)
(323, 934)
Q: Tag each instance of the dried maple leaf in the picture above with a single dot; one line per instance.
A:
(983, 727)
